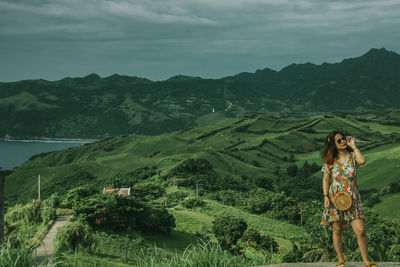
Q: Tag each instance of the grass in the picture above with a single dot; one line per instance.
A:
(281, 231)
(382, 167)
(20, 254)
(389, 204)
(199, 254)
(130, 152)
(122, 154)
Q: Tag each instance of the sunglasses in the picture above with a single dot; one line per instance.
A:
(340, 140)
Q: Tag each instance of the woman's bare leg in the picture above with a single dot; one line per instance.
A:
(359, 230)
(338, 240)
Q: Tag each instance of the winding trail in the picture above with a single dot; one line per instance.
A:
(229, 105)
(46, 248)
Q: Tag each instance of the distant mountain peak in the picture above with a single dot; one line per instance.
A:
(379, 52)
(183, 78)
(92, 76)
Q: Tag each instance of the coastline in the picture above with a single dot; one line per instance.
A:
(51, 140)
(14, 152)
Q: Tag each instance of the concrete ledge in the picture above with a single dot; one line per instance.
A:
(330, 264)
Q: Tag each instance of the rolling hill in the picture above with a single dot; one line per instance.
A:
(95, 107)
(241, 149)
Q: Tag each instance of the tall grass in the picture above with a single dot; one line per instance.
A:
(20, 254)
(203, 254)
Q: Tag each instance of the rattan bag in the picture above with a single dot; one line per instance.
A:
(342, 201)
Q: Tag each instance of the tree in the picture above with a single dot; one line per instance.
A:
(228, 229)
(394, 187)
(252, 237)
(148, 191)
(77, 194)
(264, 182)
(292, 170)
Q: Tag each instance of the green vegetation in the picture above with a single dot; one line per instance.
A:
(95, 107)
(237, 192)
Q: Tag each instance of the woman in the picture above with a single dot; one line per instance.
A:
(341, 157)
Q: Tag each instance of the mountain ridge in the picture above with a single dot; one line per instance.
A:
(96, 107)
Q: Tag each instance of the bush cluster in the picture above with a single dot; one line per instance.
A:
(48, 208)
(173, 198)
(115, 212)
(276, 205)
(233, 234)
(74, 235)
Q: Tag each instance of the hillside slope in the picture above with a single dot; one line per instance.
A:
(95, 107)
(241, 150)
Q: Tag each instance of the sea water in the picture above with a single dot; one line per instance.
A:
(16, 152)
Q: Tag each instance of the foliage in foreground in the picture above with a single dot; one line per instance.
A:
(208, 254)
(24, 221)
(19, 254)
(73, 235)
(204, 253)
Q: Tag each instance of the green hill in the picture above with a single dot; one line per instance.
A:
(95, 107)
(243, 149)
(229, 162)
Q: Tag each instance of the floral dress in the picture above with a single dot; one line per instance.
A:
(341, 177)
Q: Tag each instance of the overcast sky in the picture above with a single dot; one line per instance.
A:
(157, 39)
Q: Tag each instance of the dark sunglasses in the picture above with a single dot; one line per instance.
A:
(339, 141)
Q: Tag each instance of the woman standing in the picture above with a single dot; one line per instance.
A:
(341, 157)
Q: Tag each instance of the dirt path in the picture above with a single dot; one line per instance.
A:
(46, 248)
(331, 264)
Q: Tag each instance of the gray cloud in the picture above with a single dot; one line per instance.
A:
(160, 38)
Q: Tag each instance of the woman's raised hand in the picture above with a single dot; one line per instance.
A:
(351, 142)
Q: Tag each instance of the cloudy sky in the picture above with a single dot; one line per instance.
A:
(157, 39)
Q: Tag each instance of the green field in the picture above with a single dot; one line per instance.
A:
(240, 150)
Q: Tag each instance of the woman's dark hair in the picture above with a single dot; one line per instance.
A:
(330, 152)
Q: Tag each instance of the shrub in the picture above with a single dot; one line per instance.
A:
(115, 212)
(394, 188)
(292, 170)
(173, 198)
(230, 197)
(73, 235)
(264, 182)
(372, 200)
(148, 191)
(156, 218)
(48, 208)
(29, 213)
(228, 229)
(277, 205)
(192, 202)
(194, 166)
(252, 237)
(143, 173)
(75, 195)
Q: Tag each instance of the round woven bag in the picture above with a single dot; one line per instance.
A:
(342, 201)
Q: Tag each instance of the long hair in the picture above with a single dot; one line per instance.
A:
(330, 152)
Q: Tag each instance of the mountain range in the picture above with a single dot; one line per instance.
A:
(95, 107)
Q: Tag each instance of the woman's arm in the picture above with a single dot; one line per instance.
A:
(359, 157)
(325, 184)
(357, 153)
(325, 189)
